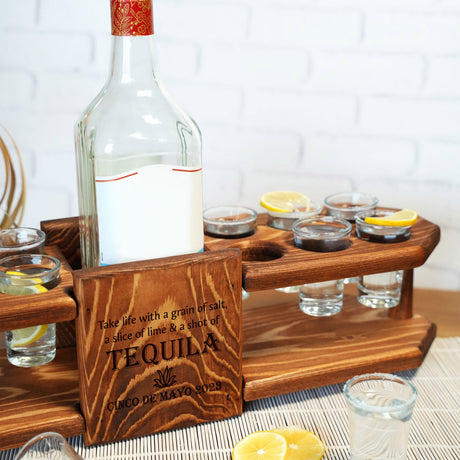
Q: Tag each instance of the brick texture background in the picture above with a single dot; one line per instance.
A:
(315, 95)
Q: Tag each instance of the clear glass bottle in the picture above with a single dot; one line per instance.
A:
(138, 156)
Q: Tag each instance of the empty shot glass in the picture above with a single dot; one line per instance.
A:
(29, 274)
(285, 220)
(346, 205)
(229, 221)
(380, 410)
(21, 240)
(324, 298)
(47, 446)
(322, 234)
(381, 290)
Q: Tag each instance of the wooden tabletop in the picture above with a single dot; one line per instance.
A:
(439, 306)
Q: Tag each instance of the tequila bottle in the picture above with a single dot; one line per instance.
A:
(138, 156)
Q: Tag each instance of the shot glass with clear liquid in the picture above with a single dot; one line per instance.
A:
(321, 299)
(381, 290)
(380, 411)
(29, 274)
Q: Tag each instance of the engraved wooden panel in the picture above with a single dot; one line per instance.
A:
(271, 260)
(159, 344)
(38, 399)
(53, 306)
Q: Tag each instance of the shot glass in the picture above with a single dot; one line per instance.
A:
(321, 299)
(380, 233)
(229, 221)
(29, 274)
(21, 240)
(380, 410)
(285, 220)
(50, 445)
(347, 205)
(381, 290)
(322, 234)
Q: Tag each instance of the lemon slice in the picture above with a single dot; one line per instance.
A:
(27, 335)
(301, 444)
(261, 445)
(285, 201)
(401, 218)
(37, 281)
(14, 289)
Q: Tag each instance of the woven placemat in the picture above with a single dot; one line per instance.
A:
(434, 434)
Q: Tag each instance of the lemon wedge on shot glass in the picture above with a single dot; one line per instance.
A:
(285, 201)
(402, 218)
(27, 335)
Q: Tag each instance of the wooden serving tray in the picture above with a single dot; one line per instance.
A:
(284, 350)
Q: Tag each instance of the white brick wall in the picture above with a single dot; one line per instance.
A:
(315, 95)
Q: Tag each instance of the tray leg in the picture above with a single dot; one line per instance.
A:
(404, 309)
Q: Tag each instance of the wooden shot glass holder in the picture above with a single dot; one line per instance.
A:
(256, 351)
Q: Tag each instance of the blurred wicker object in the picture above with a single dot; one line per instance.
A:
(12, 182)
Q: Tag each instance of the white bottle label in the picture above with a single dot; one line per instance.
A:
(154, 211)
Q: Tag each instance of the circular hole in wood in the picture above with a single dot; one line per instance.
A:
(260, 252)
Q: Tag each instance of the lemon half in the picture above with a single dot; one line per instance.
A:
(402, 218)
(301, 444)
(261, 445)
(285, 201)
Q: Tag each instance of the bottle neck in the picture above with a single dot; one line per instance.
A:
(132, 42)
(133, 60)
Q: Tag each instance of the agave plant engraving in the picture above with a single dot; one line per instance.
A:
(165, 378)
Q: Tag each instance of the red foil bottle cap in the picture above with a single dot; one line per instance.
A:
(131, 17)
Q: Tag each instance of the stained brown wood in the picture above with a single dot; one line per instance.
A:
(405, 308)
(64, 233)
(39, 399)
(289, 351)
(271, 260)
(438, 306)
(283, 350)
(159, 344)
(53, 306)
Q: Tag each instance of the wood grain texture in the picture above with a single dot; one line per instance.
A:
(290, 351)
(64, 233)
(39, 399)
(159, 344)
(271, 260)
(53, 306)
